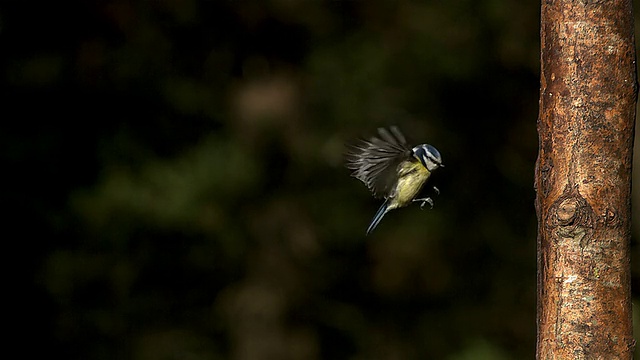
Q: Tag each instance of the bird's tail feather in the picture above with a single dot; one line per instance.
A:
(376, 219)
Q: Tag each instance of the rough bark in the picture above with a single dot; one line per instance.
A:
(583, 179)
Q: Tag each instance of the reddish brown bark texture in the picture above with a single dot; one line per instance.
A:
(583, 179)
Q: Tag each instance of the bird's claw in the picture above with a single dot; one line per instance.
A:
(436, 190)
(426, 200)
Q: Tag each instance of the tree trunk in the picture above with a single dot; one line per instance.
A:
(583, 179)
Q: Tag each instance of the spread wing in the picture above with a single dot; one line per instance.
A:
(374, 161)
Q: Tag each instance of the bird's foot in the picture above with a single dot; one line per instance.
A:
(436, 190)
(426, 200)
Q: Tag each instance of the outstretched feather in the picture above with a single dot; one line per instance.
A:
(374, 161)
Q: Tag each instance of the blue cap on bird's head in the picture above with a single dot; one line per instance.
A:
(428, 155)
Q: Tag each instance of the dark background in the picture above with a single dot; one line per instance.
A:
(175, 186)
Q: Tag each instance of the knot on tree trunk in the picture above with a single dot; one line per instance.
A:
(571, 216)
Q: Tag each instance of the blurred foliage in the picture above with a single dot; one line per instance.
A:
(180, 166)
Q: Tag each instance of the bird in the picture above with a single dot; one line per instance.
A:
(392, 169)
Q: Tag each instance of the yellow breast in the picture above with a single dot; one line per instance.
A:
(412, 176)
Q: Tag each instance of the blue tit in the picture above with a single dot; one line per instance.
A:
(393, 170)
